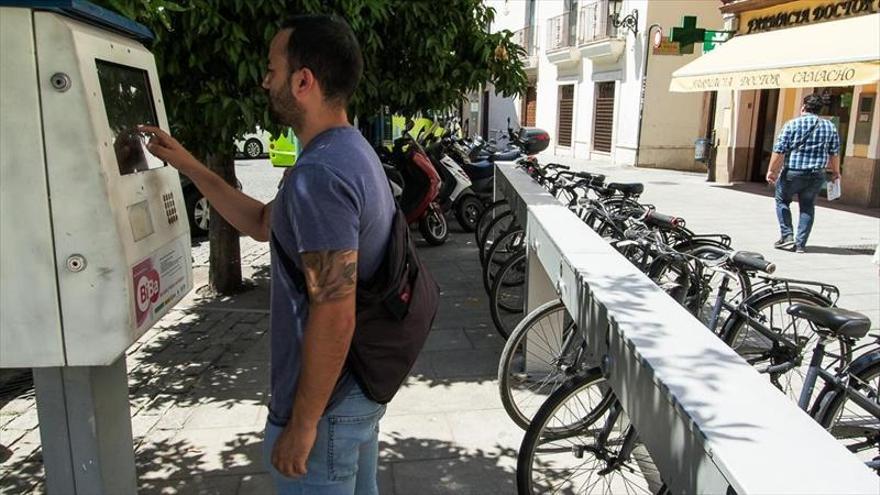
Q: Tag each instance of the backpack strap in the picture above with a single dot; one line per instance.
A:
(296, 275)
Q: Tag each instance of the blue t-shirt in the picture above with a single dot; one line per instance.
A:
(336, 198)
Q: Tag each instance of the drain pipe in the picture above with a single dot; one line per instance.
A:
(642, 93)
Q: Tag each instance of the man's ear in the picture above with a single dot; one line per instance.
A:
(302, 80)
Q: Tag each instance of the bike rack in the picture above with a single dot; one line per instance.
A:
(710, 421)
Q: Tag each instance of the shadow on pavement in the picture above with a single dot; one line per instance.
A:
(762, 189)
(444, 468)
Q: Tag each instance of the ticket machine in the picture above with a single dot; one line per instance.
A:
(94, 239)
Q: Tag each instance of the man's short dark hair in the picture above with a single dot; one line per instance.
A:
(327, 46)
(813, 103)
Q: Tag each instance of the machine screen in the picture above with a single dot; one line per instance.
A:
(129, 102)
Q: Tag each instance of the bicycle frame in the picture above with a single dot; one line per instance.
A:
(779, 343)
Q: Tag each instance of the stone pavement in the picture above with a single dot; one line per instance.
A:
(199, 379)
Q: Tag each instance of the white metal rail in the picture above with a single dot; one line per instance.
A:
(711, 422)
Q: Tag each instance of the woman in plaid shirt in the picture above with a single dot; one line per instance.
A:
(808, 145)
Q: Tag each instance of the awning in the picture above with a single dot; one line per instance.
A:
(834, 53)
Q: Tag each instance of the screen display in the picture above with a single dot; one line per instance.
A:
(129, 103)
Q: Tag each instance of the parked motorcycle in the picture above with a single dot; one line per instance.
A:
(456, 193)
(416, 184)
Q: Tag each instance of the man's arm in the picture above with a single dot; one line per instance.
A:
(780, 148)
(243, 212)
(834, 166)
(776, 160)
(331, 278)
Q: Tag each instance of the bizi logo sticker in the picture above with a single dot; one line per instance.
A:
(146, 288)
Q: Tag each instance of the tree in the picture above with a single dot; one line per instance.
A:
(418, 56)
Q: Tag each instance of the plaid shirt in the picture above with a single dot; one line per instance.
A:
(822, 142)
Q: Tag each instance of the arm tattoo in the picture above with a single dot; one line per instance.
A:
(330, 275)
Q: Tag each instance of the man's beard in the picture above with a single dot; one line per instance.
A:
(285, 110)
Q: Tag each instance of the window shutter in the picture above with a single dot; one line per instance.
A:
(604, 117)
(566, 111)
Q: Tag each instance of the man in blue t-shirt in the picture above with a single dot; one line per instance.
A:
(332, 218)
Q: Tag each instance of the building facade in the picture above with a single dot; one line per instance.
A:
(586, 80)
(839, 43)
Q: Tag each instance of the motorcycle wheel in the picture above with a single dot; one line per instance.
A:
(433, 226)
(468, 211)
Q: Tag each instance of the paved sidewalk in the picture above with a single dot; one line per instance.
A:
(199, 380)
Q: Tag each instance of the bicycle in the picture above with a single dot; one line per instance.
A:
(848, 405)
(595, 428)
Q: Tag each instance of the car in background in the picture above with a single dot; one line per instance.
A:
(198, 211)
(252, 146)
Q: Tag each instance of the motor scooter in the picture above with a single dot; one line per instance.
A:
(416, 184)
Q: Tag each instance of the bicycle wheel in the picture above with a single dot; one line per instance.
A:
(582, 461)
(502, 224)
(787, 371)
(856, 428)
(489, 214)
(541, 353)
(499, 253)
(507, 299)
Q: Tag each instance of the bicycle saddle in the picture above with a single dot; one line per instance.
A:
(840, 321)
(629, 189)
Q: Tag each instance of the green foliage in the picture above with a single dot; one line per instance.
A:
(419, 56)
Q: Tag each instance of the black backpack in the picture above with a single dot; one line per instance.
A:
(395, 311)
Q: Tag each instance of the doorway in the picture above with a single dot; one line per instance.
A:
(484, 121)
(765, 136)
(837, 108)
(565, 115)
(603, 117)
(529, 107)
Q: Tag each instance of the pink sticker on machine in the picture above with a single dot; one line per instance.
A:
(159, 281)
(146, 288)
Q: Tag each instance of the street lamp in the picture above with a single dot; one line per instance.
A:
(630, 21)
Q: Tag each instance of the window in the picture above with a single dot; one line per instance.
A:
(604, 117)
(566, 112)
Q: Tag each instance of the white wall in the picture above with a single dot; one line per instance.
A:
(548, 86)
(671, 121)
(509, 15)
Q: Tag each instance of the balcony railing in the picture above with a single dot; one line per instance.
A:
(561, 31)
(525, 38)
(594, 23)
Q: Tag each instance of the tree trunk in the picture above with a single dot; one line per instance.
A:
(224, 273)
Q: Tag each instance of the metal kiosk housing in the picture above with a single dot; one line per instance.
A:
(93, 230)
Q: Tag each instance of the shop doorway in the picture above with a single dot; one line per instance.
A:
(838, 105)
(765, 136)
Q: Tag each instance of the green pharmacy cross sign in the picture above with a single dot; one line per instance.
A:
(688, 33)
(714, 38)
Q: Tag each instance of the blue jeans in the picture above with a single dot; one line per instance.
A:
(345, 457)
(806, 184)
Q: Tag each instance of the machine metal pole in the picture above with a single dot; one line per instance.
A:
(85, 429)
